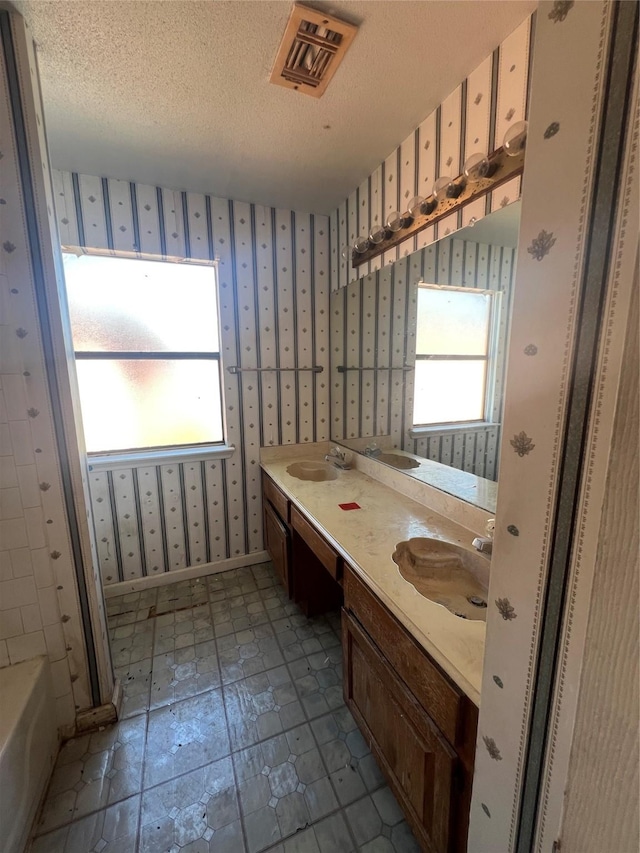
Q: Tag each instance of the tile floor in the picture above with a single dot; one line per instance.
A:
(234, 736)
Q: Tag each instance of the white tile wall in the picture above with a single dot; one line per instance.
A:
(10, 623)
(17, 593)
(39, 610)
(26, 646)
(21, 563)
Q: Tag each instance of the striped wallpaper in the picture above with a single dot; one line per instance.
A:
(276, 270)
(274, 302)
(473, 118)
(365, 333)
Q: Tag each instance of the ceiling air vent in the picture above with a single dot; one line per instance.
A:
(312, 47)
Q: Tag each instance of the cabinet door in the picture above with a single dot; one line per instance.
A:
(418, 762)
(276, 540)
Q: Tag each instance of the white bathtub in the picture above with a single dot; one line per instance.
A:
(28, 747)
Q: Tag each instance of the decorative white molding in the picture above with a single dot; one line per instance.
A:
(138, 584)
(117, 461)
(563, 154)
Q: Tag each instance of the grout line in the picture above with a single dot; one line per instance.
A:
(226, 719)
(269, 619)
(144, 751)
(36, 835)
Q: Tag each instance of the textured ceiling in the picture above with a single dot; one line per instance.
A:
(177, 93)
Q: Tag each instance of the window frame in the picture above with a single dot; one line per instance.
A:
(421, 429)
(126, 457)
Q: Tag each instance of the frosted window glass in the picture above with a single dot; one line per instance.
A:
(451, 322)
(149, 403)
(131, 305)
(449, 391)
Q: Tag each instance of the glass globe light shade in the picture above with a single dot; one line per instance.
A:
(345, 254)
(394, 221)
(377, 234)
(415, 206)
(442, 187)
(476, 167)
(362, 244)
(515, 139)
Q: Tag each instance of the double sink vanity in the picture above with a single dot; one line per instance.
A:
(398, 559)
(391, 522)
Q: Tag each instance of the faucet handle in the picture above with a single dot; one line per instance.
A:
(483, 544)
(490, 527)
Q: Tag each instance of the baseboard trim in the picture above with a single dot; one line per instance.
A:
(95, 718)
(138, 584)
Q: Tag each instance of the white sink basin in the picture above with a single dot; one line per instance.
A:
(317, 472)
(446, 574)
(396, 460)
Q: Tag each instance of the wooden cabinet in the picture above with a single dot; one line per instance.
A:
(308, 566)
(419, 725)
(277, 498)
(277, 537)
(316, 568)
(326, 555)
(417, 760)
(276, 542)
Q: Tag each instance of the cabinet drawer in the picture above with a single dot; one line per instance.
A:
(323, 551)
(431, 687)
(276, 497)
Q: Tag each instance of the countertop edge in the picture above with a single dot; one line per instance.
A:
(427, 644)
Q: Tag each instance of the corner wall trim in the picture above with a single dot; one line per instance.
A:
(602, 216)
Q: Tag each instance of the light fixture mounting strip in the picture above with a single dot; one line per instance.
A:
(506, 168)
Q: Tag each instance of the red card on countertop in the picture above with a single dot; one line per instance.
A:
(352, 505)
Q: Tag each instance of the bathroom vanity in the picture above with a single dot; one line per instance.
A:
(412, 669)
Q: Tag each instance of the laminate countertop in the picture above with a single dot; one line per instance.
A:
(367, 537)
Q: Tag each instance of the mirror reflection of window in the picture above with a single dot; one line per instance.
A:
(453, 344)
(146, 340)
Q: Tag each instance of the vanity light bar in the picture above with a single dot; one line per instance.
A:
(502, 168)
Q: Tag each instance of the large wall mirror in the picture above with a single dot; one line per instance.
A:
(418, 357)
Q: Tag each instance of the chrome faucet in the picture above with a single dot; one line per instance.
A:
(337, 457)
(484, 544)
(372, 450)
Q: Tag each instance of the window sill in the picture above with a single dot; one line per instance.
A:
(137, 458)
(442, 429)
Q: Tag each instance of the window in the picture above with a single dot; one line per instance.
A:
(145, 335)
(452, 354)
